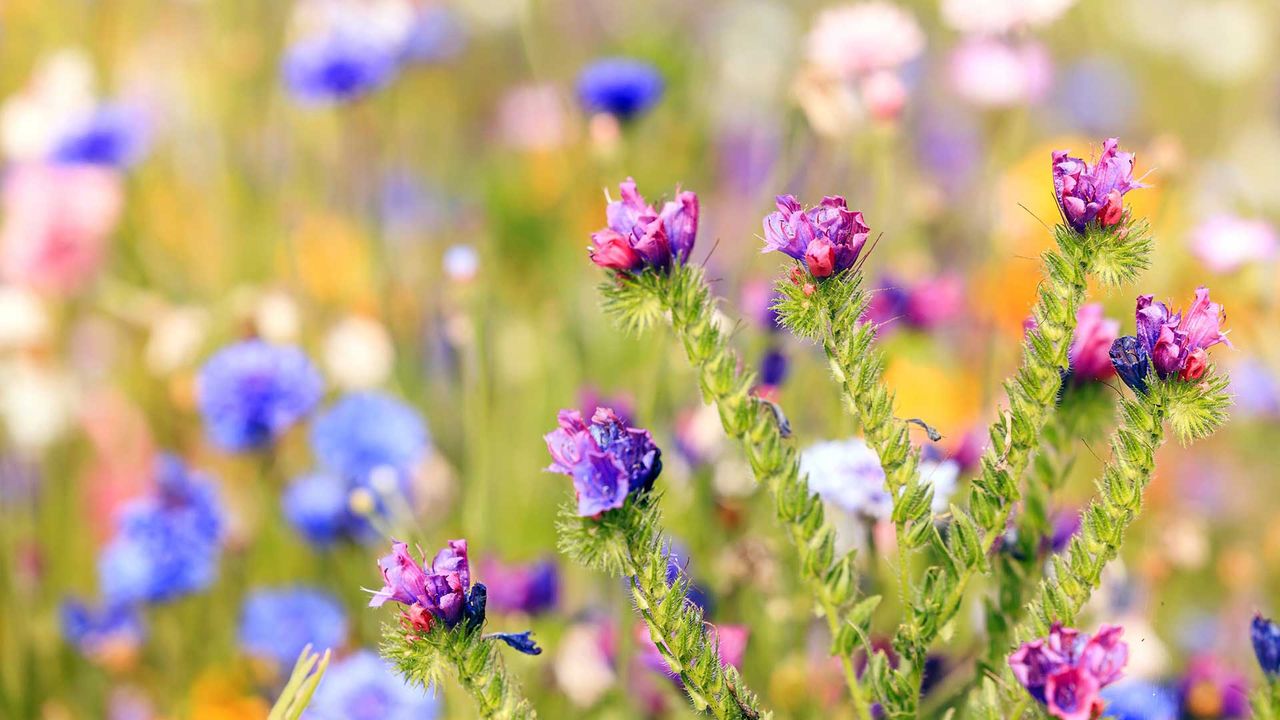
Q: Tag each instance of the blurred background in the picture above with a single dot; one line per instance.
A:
(405, 189)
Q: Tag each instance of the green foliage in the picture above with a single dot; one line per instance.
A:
(1265, 701)
(1119, 255)
(302, 683)
(627, 542)
(463, 652)
(1196, 410)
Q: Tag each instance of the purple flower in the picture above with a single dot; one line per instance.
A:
(1088, 192)
(1174, 343)
(639, 237)
(532, 588)
(826, 238)
(337, 67)
(606, 459)
(251, 392)
(111, 630)
(622, 87)
(1266, 644)
(1091, 344)
(1209, 689)
(439, 589)
(1065, 671)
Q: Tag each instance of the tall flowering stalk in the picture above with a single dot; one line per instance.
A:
(441, 629)
(614, 526)
(663, 286)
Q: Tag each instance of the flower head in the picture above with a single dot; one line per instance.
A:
(318, 506)
(639, 237)
(1210, 689)
(827, 238)
(622, 87)
(1174, 344)
(112, 136)
(110, 631)
(1066, 670)
(440, 589)
(363, 686)
(278, 624)
(853, 40)
(606, 459)
(1140, 700)
(337, 66)
(1093, 192)
(532, 588)
(1226, 243)
(1091, 345)
(1266, 644)
(366, 431)
(251, 392)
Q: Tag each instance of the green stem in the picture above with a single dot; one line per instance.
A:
(480, 671)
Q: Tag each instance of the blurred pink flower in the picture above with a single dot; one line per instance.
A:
(884, 94)
(857, 39)
(1226, 243)
(57, 219)
(1001, 16)
(993, 73)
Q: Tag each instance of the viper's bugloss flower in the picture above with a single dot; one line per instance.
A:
(1093, 192)
(113, 135)
(1174, 344)
(167, 544)
(251, 392)
(530, 588)
(927, 304)
(1140, 700)
(827, 238)
(606, 459)
(439, 590)
(368, 431)
(1265, 635)
(1209, 689)
(622, 87)
(639, 237)
(337, 66)
(277, 624)
(773, 368)
(1090, 351)
(102, 633)
(1066, 670)
(362, 686)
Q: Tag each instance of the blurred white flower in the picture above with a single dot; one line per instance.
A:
(994, 73)
(358, 353)
(276, 316)
(852, 40)
(1226, 243)
(944, 476)
(461, 262)
(175, 339)
(383, 23)
(831, 106)
(582, 670)
(847, 473)
(59, 97)
(995, 17)
(23, 319)
(37, 403)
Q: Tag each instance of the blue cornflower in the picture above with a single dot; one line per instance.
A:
(251, 392)
(1139, 700)
(278, 624)
(366, 431)
(318, 506)
(364, 687)
(106, 630)
(622, 87)
(338, 67)
(113, 135)
(167, 544)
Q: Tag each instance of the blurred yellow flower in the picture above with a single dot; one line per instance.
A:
(215, 696)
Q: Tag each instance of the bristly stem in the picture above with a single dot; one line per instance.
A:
(638, 301)
(1265, 701)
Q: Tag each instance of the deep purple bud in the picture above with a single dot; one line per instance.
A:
(773, 367)
(477, 603)
(522, 641)
(1131, 362)
(1093, 192)
(1266, 644)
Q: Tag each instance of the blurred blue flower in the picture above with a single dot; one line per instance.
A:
(94, 631)
(318, 507)
(366, 431)
(278, 624)
(1139, 700)
(1098, 95)
(364, 687)
(622, 87)
(167, 544)
(251, 392)
(437, 35)
(113, 135)
(337, 67)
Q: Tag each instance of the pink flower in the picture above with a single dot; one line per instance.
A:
(1072, 694)
(853, 40)
(1065, 671)
(999, 74)
(1091, 345)
(884, 94)
(1226, 243)
(57, 220)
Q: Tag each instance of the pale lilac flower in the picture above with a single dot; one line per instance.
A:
(853, 40)
(1225, 243)
(994, 73)
(994, 17)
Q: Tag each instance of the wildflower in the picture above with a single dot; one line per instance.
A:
(277, 624)
(1226, 243)
(358, 353)
(1091, 345)
(1173, 344)
(113, 136)
(1208, 689)
(827, 238)
(362, 686)
(436, 35)
(57, 223)
(999, 74)
(1093, 192)
(858, 39)
(318, 506)
(1066, 670)
(112, 631)
(167, 544)
(1266, 644)
(1001, 16)
(366, 431)
(848, 474)
(1140, 700)
(337, 66)
(532, 588)
(521, 641)
(622, 87)
(440, 589)
(606, 459)
(638, 237)
(251, 392)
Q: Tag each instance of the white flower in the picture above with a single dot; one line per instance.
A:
(847, 473)
(943, 476)
(59, 97)
(37, 404)
(175, 339)
(23, 320)
(358, 353)
(995, 17)
(852, 40)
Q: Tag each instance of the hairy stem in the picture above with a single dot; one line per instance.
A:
(481, 672)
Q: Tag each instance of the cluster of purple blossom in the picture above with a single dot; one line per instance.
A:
(607, 460)
(1173, 344)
